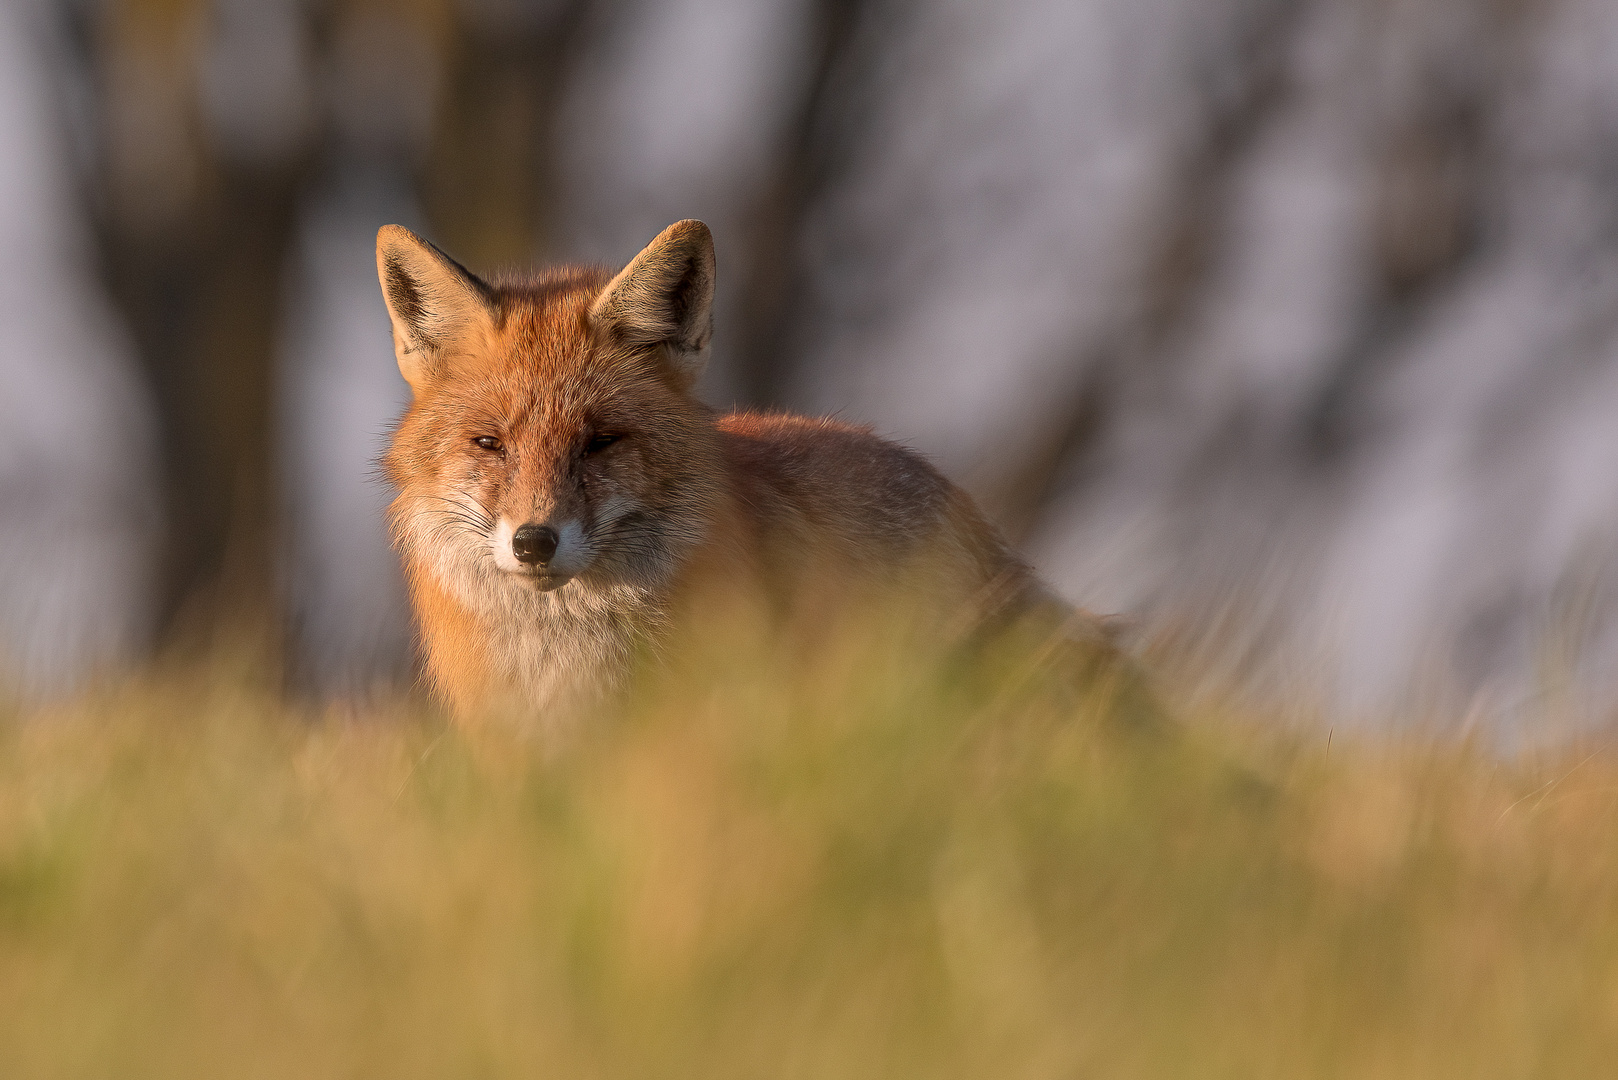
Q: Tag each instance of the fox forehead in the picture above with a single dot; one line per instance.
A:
(542, 332)
(542, 370)
(545, 317)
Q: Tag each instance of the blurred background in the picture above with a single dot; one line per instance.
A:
(1287, 327)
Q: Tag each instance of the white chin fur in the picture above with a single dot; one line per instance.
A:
(500, 544)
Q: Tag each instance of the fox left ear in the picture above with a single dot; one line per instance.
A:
(432, 300)
(665, 297)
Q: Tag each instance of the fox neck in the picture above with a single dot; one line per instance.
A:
(492, 646)
(555, 659)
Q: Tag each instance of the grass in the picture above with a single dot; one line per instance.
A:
(850, 863)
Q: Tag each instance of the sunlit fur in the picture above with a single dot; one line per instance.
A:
(682, 502)
(544, 384)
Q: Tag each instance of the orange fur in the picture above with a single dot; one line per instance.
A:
(579, 384)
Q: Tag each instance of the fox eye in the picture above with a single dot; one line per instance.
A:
(600, 441)
(488, 442)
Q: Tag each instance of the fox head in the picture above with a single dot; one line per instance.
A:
(553, 453)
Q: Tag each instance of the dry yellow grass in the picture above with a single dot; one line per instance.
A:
(856, 865)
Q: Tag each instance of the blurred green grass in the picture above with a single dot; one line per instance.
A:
(841, 861)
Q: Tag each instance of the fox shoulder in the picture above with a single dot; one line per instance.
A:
(824, 467)
(844, 490)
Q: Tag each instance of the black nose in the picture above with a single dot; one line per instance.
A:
(534, 544)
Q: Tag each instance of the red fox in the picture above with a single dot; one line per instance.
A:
(562, 493)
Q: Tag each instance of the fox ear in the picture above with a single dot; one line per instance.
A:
(431, 298)
(665, 297)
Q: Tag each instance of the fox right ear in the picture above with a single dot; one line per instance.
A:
(431, 298)
(665, 297)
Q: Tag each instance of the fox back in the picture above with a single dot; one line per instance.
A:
(563, 496)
